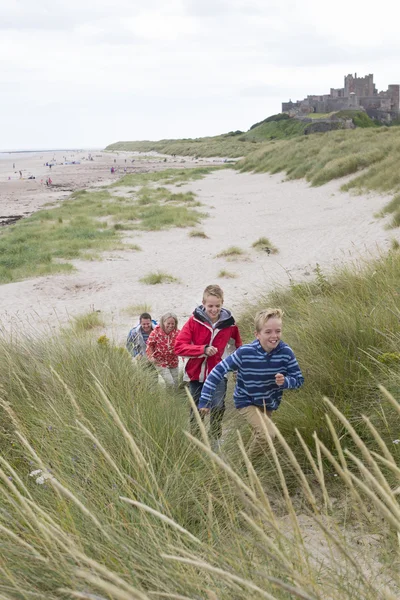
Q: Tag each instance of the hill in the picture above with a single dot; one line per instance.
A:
(238, 143)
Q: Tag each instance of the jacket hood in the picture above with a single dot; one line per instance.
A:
(225, 318)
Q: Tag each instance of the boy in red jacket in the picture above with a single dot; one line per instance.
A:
(204, 340)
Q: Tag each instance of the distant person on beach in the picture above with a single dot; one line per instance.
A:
(138, 336)
(208, 334)
(20, 174)
(13, 165)
(265, 368)
(160, 348)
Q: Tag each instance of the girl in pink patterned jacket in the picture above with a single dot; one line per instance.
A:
(160, 348)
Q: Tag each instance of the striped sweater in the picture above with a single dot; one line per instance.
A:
(256, 370)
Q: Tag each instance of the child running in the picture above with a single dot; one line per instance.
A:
(160, 348)
(204, 338)
(264, 368)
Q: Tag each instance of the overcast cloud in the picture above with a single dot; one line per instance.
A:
(91, 72)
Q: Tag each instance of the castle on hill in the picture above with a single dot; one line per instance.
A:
(357, 93)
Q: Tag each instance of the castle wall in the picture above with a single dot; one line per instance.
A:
(357, 92)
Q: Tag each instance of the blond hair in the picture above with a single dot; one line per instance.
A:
(213, 290)
(263, 315)
(168, 315)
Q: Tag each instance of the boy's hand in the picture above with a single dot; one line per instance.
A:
(204, 411)
(279, 379)
(210, 351)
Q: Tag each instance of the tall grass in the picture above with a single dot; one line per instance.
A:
(393, 208)
(126, 506)
(323, 157)
(341, 327)
(221, 145)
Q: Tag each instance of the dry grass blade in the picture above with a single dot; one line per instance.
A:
(345, 475)
(131, 442)
(255, 480)
(239, 482)
(199, 420)
(381, 490)
(104, 452)
(382, 508)
(27, 445)
(22, 542)
(388, 463)
(274, 552)
(162, 517)
(109, 588)
(106, 572)
(167, 595)
(69, 393)
(379, 441)
(327, 502)
(68, 494)
(229, 576)
(293, 460)
(389, 396)
(80, 595)
(15, 476)
(301, 552)
(360, 444)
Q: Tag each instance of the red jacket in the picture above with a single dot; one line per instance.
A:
(198, 333)
(160, 347)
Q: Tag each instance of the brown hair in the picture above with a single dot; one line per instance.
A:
(213, 290)
(263, 315)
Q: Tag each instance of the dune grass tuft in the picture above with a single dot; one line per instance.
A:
(231, 251)
(227, 274)
(265, 245)
(197, 233)
(158, 277)
(87, 322)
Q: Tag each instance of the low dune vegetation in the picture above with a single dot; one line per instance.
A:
(265, 245)
(323, 157)
(91, 222)
(158, 277)
(130, 506)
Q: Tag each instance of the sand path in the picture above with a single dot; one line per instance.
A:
(307, 225)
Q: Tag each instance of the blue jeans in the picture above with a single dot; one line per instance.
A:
(217, 407)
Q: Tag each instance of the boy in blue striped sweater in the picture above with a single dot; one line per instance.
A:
(264, 368)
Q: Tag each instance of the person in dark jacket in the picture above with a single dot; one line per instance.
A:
(264, 368)
(209, 333)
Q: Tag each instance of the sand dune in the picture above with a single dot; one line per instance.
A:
(307, 225)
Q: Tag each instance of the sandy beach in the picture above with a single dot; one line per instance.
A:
(307, 225)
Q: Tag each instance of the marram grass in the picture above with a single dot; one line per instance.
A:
(90, 222)
(121, 503)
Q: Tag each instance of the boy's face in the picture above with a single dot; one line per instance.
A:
(270, 334)
(213, 306)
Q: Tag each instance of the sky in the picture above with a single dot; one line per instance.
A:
(87, 73)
